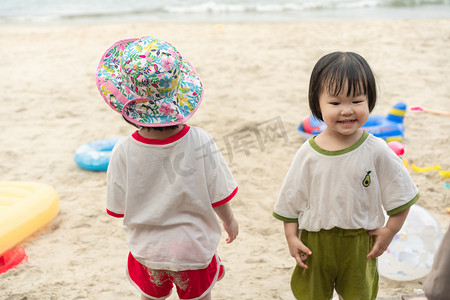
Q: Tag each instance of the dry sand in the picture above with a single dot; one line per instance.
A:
(255, 76)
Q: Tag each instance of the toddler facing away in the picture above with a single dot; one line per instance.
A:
(167, 180)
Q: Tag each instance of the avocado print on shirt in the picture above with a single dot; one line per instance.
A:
(366, 181)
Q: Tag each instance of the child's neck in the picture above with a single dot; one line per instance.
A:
(159, 134)
(335, 142)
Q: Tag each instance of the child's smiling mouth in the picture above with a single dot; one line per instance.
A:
(347, 121)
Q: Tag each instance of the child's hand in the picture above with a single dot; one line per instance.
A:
(232, 228)
(298, 251)
(384, 238)
(230, 224)
(386, 234)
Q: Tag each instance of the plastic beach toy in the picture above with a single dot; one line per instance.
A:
(431, 111)
(389, 127)
(397, 147)
(95, 155)
(425, 169)
(410, 254)
(24, 208)
(446, 174)
(12, 258)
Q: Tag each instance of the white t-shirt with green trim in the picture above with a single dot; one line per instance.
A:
(165, 190)
(348, 188)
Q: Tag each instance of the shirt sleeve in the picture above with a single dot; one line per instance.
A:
(221, 185)
(398, 190)
(292, 201)
(115, 186)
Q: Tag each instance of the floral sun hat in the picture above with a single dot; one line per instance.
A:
(149, 82)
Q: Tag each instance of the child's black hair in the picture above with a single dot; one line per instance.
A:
(336, 69)
(159, 128)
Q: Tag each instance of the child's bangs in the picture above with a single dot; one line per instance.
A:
(346, 76)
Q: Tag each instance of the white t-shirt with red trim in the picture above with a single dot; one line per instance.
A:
(165, 190)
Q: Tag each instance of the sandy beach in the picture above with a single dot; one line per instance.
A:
(256, 80)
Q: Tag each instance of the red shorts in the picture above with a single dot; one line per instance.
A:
(158, 284)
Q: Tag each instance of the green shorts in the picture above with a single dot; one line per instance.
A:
(338, 261)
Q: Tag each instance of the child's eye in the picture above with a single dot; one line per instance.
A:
(334, 103)
(357, 101)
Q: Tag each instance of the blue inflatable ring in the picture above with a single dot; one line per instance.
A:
(95, 155)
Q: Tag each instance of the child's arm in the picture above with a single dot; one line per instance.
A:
(387, 233)
(297, 249)
(230, 224)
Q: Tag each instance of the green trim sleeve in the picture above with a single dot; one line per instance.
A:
(404, 206)
(284, 219)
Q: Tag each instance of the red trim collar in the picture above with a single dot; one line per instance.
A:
(165, 141)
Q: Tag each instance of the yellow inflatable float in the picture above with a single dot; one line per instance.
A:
(24, 208)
